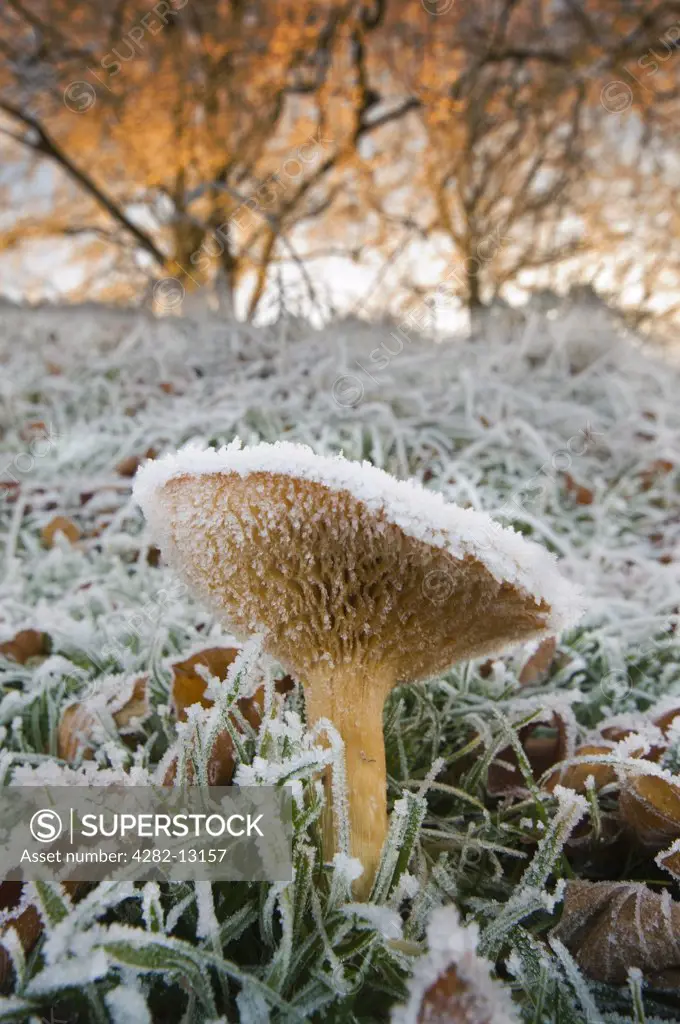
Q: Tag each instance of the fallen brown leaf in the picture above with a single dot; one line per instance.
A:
(615, 734)
(575, 776)
(581, 495)
(610, 927)
(153, 556)
(136, 706)
(28, 927)
(220, 768)
(28, 643)
(26, 924)
(650, 806)
(60, 524)
(660, 467)
(670, 859)
(189, 688)
(34, 429)
(79, 721)
(9, 490)
(128, 466)
(536, 668)
(76, 726)
(453, 1000)
(131, 463)
(666, 719)
(544, 745)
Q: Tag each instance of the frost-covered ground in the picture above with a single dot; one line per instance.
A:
(558, 427)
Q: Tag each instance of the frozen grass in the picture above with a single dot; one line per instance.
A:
(559, 428)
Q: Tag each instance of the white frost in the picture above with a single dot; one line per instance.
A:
(349, 867)
(453, 945)
(69, 974)
(127, 1006)
(384, 920)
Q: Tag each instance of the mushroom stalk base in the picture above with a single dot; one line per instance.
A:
(354, 704)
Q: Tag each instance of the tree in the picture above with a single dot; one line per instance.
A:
(188, 140)
(208, 144)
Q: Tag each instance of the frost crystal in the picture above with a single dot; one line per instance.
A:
(76, 973)
(384, 920)
(349, 867)
(421, 514)
(474, 998)
(127, 1006)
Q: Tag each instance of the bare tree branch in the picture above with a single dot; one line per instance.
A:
(46, 146)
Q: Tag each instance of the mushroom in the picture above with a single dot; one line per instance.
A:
(359, 582)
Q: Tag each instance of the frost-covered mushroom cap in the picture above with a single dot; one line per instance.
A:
(340, 563)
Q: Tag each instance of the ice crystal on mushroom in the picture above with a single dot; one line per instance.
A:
(419, 514)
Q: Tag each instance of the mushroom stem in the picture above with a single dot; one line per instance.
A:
(354, 704)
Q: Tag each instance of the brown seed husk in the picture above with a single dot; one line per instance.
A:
(610, 927)
(537, 667)
(128, 466)
(450, 1001)
(650, 806)
(542, 751)
(669, 859)
(575, 776)
(616, 734)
